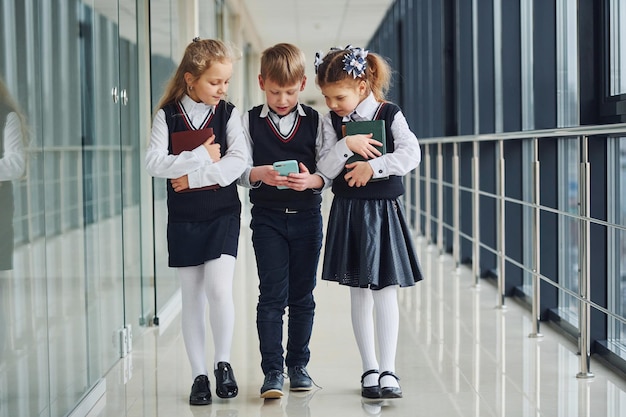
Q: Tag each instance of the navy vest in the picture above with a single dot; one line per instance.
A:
(388, 189)
(201, 205)
(270, 146)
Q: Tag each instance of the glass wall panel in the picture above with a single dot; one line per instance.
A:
(568, 108)
(69, 164)
(568, 229)
(165, 55)
(617, 47)
(617, 244)
(24, 337)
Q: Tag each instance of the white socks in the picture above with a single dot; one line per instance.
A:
(212, 282)
(385, 303)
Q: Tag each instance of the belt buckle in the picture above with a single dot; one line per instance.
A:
(287, 211)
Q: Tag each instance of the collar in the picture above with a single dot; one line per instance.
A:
(366, 110)
(191, 106)
(266, 110)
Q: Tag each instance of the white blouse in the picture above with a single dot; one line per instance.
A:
(197, 164)
(405, 157)
(12, 161)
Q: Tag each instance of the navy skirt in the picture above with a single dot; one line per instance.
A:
(369, 245)
(194, 243)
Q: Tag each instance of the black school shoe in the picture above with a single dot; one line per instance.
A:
(389, 392)
(226, 385)
(200, 391)
(374, 390)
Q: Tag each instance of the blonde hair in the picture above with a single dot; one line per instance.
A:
(198, 57)
(283, 63)
(377, 74)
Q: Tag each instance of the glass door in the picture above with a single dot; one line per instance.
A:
(102, 176)
(136, 290)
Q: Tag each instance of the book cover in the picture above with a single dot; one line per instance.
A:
(377, 129)
(188, 140)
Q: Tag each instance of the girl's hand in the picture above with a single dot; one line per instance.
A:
(268, 175)
(180, 184)
(213, 149)
(363, 145)
(359, 173)
(304, 180)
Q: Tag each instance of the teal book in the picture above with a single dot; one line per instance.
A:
(376, 128)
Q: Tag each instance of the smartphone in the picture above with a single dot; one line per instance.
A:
(284, 168)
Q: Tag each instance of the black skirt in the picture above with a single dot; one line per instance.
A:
(369, 245)
(194, 243)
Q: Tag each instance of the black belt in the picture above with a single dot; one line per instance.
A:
(286, 210)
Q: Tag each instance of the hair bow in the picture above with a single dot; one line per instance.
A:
(354, 62)
(318, 60)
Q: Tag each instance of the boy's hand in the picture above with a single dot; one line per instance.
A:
(363, 145)
(268, 175)
(180, 184)
(304, 180)
(359, 173)
(213, 149)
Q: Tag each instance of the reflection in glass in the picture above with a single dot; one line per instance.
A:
(568, 229)
(12, 167)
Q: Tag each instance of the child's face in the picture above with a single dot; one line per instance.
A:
(342, 97)
(281, 99)
(212, 85)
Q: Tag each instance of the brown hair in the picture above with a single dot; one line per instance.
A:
(283, 63)
(377, 74)
(198, 57)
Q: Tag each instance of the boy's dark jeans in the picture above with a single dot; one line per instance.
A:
(287, 248)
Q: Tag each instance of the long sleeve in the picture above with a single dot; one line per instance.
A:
(405, 157)
(244, 179)
(12, 161)
(230, 167)
(335, 152)
(160, 163)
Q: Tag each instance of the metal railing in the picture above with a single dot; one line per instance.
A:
(414, 199)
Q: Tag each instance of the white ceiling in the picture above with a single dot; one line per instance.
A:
(316, 25)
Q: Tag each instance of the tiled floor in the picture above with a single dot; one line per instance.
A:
(458, 356)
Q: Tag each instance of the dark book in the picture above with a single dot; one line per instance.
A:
(188, 140)
(377, 129)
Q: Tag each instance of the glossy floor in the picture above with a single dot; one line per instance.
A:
(458, 356)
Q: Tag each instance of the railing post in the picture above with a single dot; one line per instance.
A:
(536, 221)
(584, 262)
(475, 213)
(427, 196)
(501, 225)
(440, 198)
(418, 203)
(456, 221)
(408, 196)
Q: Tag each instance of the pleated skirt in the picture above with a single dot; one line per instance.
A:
(194, 243)
(369, 245)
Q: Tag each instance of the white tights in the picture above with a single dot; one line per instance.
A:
(384, 302)
(212, 283)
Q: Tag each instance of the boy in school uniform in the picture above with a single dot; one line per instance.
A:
(286, 219)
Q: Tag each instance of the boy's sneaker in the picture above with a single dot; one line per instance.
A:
(273, 385)
(299, 379)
